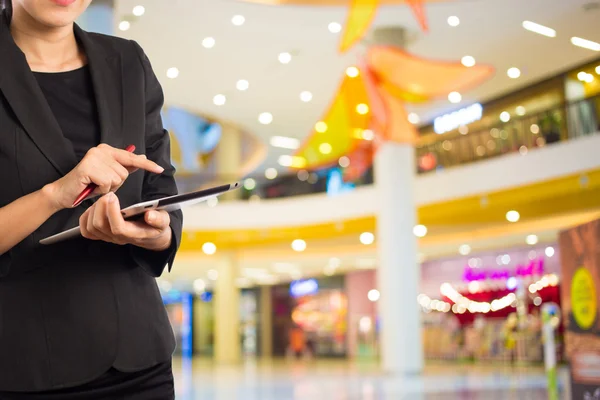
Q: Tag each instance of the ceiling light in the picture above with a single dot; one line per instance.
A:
(285, 58)
(344, 162)
(513, 73)
(367, 238)
(242, 85)
(238, 20)
(520, 110)
(420, 230)
(468, 61)
(513, 216)
(537, 28)
(585, 77)
(352, 72)
(504, 116)
(534, 128)
(172, 73)
(219, 100)
(453, 20)
(292, 161)
(325, 148)
(373, 295)
(284, 142)
(329, 271)
(362, 109)
(549, 251)
(335, 27)
(321, 127)
(124, 25)
(413, 118)
(306, 96)
(298, 245)
(199, 286)
(586, 44)
(464, 249)
(249, 184)
(368, 134)
(270, 173)
(209, 248)
(138, 11)
(208, 42)
(303, 175)
(265, 118)
(213, 274)
(463, 129)
(454, 97)
(531, 240)
(598, 69)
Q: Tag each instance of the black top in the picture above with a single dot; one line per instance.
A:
(71, 97)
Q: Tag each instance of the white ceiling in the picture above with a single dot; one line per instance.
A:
(171, 32)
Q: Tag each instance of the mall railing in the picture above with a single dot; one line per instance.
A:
(520, 134)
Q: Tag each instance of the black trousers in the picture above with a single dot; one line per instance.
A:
(155, 383)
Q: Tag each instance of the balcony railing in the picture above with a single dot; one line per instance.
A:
(520, 134)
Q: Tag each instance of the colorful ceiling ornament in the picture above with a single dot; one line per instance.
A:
(360, 15)
(369, 107)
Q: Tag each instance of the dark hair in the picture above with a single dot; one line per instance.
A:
(6, 7)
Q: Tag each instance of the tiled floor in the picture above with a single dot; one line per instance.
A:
(346, 380)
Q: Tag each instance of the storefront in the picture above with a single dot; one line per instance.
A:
(249, 322)
(316, 307)
(540, 114)
(479, 307)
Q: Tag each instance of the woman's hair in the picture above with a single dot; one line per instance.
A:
(6, 7)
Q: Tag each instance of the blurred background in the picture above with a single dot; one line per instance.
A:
(412, 173)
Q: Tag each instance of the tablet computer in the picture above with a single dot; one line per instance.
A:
(168, 204)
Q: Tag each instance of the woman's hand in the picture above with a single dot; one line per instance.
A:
(104, 166)
(103, 221)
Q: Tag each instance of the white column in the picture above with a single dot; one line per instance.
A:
(99, 17)
(398, 276)
(227, 313)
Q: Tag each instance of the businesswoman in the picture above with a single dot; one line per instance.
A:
(82, 319)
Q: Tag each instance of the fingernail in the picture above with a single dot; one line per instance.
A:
(111, 197)
(151, 216)
(143, 156)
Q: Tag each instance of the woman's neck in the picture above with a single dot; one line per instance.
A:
(47, 49)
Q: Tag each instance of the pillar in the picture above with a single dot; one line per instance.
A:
(266, 322)
(228, 159)
(398, 276)
(99, 17)
(227, 313)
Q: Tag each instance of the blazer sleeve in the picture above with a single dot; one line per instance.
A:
(157, 186)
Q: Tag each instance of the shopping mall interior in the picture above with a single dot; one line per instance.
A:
(420, 181)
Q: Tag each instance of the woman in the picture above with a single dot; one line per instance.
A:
(82, 319)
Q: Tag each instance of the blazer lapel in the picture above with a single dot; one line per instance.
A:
(105, 68)
(21, 90)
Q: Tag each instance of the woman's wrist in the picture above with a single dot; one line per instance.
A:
(48, 198)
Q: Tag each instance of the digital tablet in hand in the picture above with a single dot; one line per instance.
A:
(168, 204)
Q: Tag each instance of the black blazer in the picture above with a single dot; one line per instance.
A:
(70, 311)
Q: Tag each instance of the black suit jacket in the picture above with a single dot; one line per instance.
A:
(68, 312)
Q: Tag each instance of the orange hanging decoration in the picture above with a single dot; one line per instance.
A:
(360, 17)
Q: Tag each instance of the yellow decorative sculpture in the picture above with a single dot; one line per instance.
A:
(388, 78)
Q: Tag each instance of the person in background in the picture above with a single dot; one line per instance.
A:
(297, 341)
(81, 319)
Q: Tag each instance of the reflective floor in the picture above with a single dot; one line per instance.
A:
(347, 380)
